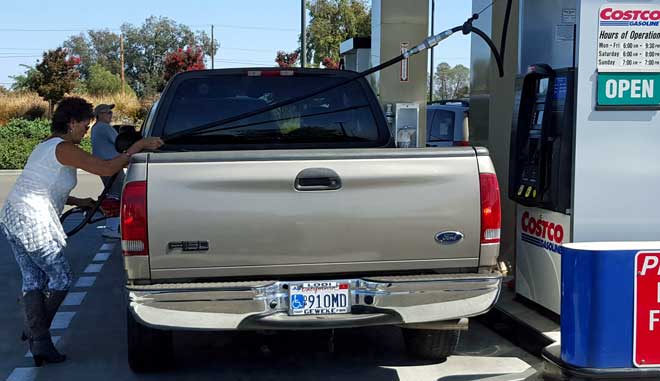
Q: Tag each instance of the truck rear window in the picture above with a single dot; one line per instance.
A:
(336, 118)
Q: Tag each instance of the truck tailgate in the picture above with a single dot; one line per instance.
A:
(385, 217)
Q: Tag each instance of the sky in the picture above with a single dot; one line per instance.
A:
(249, 32)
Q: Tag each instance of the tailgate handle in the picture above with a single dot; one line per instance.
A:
(317, 179)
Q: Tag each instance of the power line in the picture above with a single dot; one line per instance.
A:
(227, 26)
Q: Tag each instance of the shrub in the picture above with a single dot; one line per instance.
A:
(102, 82)
(18, 139)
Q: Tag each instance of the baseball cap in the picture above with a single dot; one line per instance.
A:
(102, 108)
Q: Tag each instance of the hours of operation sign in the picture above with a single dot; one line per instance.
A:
(629, 38)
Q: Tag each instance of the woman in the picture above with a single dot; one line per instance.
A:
(30, 217)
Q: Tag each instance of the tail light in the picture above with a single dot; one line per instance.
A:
(134, 239)
(461, 144)
(491, 212)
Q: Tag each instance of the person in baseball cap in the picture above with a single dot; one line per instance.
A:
(102, 109)
(103, 147)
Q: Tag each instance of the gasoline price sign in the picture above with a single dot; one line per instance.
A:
(646, 352)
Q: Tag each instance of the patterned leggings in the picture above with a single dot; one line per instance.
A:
(43, 269)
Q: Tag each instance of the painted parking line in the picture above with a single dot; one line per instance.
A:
(85, 281)
(101, 257)
(23, 374)
(55, 339)
(94, 268)
(62, 320)
(107, 247)
(74, 298)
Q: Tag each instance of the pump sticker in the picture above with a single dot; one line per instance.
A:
(629, 38)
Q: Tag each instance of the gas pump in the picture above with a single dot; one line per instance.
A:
(540, 178)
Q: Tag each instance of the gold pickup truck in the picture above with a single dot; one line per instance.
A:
(302, 217)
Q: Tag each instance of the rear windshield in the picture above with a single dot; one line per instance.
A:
(338, 117)
(442, 126)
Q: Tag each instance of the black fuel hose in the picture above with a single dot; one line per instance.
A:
(93, 210)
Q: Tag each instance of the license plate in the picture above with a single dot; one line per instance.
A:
(319, 298)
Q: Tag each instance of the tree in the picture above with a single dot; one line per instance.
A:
(145, 48)
(331, 23)
(102, 82)
(55, 76)
(24, 82)
(284, 59)
(183, 60)
(451, 82)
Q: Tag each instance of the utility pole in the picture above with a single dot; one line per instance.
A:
(212, 49)
(303, 35)
(121, 59)
(432, 34)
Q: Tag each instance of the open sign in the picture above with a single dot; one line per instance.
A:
(646, 352)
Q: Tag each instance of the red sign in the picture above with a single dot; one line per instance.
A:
(646, 351)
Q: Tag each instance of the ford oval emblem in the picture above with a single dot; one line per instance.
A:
(448, 238)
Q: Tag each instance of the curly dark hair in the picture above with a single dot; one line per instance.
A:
(70, 109)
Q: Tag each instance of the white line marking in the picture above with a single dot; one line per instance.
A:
(94, 268)
(101, 257)
(107, 247)
(62, 320)
(56, 339)
(85, 281)
(23, 374)
(74, 298)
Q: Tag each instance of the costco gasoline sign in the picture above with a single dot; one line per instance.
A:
(629, 38)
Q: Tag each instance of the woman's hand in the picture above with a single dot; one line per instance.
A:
(145, 144)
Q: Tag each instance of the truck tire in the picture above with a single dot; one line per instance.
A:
(429, 344)
(149, 349)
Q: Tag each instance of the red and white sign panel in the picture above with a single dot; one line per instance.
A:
(403, 75)
(646, 337)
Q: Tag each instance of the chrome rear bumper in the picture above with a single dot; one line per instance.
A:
(265, 304)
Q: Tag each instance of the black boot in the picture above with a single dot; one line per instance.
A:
(41, 345)
(52, 301)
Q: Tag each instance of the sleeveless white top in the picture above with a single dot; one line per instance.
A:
(32, 211)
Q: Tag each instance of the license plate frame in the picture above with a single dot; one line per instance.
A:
(319, 298)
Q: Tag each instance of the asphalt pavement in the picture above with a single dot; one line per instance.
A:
(90, 329)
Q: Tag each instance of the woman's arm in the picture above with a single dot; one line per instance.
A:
(71, 155)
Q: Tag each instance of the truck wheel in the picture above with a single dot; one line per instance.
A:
(149, 349)
(430, 344)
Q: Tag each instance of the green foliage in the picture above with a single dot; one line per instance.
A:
(451, 82)
(102, 82)
(18, 139)
(55, 76)
(25, 82)
(331, 23)
(145, 48)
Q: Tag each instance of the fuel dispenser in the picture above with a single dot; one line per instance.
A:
(542, 139)
(540, 177)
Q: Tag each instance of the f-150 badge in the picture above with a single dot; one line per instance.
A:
(448, 238)
(189, 245)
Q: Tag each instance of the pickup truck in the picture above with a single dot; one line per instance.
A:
(300, 218)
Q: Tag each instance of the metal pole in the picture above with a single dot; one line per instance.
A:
(432, 33)
(121, 59)
(303, 35)
(212, 49)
